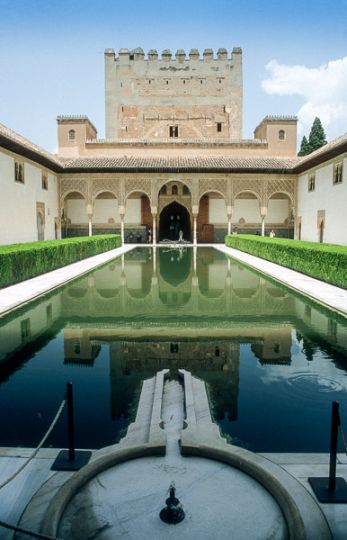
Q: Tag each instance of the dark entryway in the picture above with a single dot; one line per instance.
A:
(173, 219)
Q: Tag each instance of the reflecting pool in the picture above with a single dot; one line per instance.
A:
(273, 361)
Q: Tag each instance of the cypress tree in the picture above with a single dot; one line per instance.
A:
(304, 148)
(317, 136)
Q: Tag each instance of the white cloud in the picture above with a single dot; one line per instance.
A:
(324, 90)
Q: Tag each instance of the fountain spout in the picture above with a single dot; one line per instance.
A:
(173, 512)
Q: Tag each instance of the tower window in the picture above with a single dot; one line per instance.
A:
(163, 190)
(219, 127)
(72, 135)
(186, 190)
(174, 190)
(173, 131)
(281, 135)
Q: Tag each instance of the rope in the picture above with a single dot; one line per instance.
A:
(343, 438)
(25, 531)
(50, 429)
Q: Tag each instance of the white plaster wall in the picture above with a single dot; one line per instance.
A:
(326, 196)
(18, 202)
(277, 211)
(248, 209)
(133, 211)
(217, 211)
(104, 209)
(76, 211)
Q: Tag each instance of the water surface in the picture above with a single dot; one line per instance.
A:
(273, 361)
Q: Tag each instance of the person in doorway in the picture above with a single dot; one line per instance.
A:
(272, 234)
(172, 228)
(149, 235)
(180, 236)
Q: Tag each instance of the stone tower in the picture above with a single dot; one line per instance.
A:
(173, 98)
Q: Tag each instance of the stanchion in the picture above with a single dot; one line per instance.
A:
(331, 489)
(70, 460)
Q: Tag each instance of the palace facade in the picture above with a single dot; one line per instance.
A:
(173, 160)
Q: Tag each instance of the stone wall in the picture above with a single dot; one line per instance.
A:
(201, 97)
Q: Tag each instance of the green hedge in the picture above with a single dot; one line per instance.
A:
(327, 262)
(23, 261)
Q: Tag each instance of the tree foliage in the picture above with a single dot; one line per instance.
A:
(316, 139)
(304, 148)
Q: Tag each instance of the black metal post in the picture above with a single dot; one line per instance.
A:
(70, 460)
(332, 489)
(335, 422)
(70, 421)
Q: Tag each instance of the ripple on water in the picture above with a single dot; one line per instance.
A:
(303, 381)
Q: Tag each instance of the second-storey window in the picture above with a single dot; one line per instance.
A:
(19, 172)
(338, 172)
(44, 179)
(311, 182)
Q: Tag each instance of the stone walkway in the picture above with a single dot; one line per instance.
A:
(324, 293)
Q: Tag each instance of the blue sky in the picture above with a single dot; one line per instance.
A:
(51, 55)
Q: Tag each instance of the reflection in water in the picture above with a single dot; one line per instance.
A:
(271, 361)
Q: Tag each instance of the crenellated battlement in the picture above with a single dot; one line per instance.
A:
(194, 95)
(180, 55)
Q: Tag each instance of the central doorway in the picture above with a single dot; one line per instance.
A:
(173, 219)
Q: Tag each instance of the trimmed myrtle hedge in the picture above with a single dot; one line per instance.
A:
(23, 261)
(327, 262)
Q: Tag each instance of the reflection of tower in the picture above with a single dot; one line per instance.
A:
(275, 345)
(125, 383)
(215, 362)
(79, 348)
(224, 386)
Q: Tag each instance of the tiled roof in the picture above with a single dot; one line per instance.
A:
(329, 150)
(17, 142)
(180, 163)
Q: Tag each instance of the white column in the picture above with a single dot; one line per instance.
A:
(229, 224)
(122, 227)
(263, 225)
(154, 229)
(195, 236)
(229, 214)
(263, 213)
(90, 230)
(89, 209)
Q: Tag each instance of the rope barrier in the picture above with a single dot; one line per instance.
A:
(25, 531)
(343, 438)
(42, 442)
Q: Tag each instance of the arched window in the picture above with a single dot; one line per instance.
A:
(72, 135)
(281, 135)
(163, 190)
(186, 190)
(174, 190)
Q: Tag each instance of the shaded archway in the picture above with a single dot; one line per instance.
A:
(173, 218)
